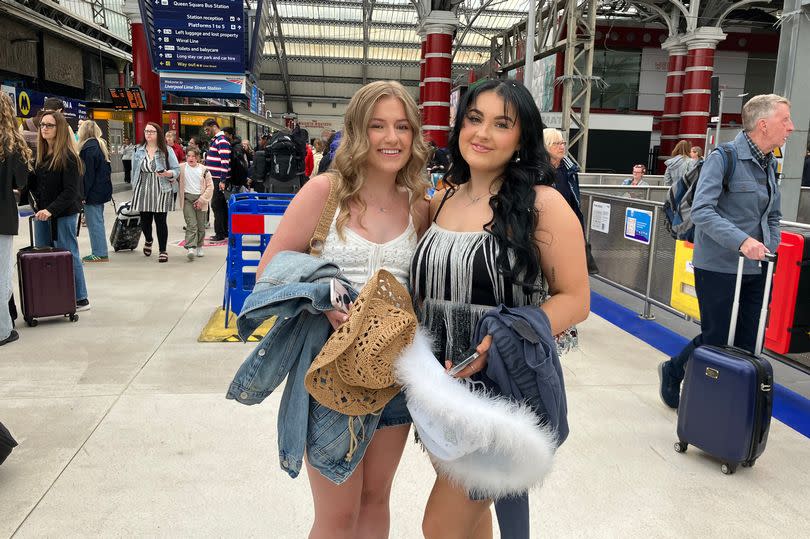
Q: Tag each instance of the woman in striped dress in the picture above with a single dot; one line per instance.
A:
(154, 171)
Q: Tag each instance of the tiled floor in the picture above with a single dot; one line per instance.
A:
(124, 431)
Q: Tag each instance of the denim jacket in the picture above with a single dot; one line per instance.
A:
(724, 219)
(523, 364)
(166, 184)
(295, 288)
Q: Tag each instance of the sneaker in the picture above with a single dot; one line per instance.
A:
(670, 390)
(190, 253)
(82, 305)
(13, 336)
(200, 252)
(94, 258)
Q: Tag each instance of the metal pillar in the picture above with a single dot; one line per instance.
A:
(580, 28)
(792, 81)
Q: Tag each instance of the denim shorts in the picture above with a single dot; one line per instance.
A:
(395, 413)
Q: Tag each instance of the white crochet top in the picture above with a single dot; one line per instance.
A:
(360, 258)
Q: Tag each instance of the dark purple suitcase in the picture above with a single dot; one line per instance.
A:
(727, 397)
(46, 282)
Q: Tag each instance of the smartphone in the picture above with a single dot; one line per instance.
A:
(339, 296)
(458, 367)
(161, 171)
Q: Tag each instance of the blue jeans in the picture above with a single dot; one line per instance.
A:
(94, 215)
(65, 239)
(6, 273)
(715, 293)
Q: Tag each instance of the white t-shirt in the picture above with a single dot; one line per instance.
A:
(193, 180)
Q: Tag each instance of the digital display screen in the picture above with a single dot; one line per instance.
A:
(128, 98)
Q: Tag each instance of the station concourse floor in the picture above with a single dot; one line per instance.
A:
(125, 431)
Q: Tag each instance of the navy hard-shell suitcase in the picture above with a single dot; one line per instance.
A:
(727, 396)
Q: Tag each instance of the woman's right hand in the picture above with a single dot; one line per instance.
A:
(336, 318)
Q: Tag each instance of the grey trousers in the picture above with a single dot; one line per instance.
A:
(195, 222)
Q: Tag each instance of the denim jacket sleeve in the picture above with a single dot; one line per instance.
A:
(704, 207)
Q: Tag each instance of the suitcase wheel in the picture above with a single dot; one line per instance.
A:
(680, 447)
(74, 317)
(728, 469)
(749, 464)
(115, 249)
(32, 322)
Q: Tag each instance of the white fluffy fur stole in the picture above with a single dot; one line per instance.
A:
(484, 443)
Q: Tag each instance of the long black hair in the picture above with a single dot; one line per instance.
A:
(514, 216)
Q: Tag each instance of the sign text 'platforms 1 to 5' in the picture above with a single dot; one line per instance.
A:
(199, 36)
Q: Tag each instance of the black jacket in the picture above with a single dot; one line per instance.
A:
(13, 175)
(97, 182)
(58, 191)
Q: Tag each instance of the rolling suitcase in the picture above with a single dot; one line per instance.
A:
(727, 396)
(46, 282)
(789, 324)
(126, 230)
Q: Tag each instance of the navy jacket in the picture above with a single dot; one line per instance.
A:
(97, 182)
(523, 364)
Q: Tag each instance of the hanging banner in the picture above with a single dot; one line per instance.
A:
(203, 86)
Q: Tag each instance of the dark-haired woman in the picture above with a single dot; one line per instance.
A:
(154, 171)
(56, 189)
(500, 234)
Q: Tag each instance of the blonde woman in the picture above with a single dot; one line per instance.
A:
(97, 187)
(15, 161)
(379, 170)
(57, 192)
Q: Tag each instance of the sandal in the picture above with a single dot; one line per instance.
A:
(147, 248)
(163, 257)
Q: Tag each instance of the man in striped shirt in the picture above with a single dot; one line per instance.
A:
(218, 162)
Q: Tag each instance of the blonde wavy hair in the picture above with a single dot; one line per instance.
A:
(90, 130)
(349, 165)
(63, 150)
(11, 140)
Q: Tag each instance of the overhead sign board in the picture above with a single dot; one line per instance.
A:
(196, 36)
(128, 98)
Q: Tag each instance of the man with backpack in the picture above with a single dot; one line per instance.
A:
(736, 208)
(283, 164)
(218, 162)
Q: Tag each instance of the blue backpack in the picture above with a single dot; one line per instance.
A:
(681, 195)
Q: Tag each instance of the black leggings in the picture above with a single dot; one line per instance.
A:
(160, 225)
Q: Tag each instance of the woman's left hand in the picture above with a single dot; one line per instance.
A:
(166, 174)
(477, 365)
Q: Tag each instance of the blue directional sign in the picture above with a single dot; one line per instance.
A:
(196, 36)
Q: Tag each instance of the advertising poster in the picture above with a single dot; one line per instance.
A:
(638, 225)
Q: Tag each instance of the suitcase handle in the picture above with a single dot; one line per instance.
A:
(763, 314)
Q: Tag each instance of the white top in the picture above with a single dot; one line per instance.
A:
(193, 179)
(360, 258)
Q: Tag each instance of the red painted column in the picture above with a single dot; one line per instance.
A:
(438, 29)
(422, 76)
(147, 79)
(671, 119)
(697, 84)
